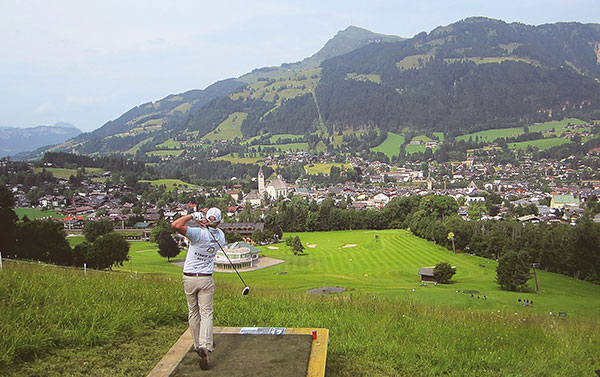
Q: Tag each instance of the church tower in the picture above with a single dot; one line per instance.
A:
(261, 182)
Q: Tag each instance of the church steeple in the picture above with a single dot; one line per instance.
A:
(261, 181)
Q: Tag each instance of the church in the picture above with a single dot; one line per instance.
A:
(277, 188)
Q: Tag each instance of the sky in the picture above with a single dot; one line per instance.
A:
(88, 62)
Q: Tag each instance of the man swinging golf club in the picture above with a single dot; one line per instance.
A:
(198, 282)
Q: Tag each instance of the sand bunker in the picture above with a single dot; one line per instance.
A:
(312, 245)
(349, 245)
(325, 290)
(273, 247)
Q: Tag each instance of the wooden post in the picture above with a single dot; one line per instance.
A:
(0, 261)
(84, 270)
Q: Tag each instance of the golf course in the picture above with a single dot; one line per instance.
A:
(62, 321)
(385, 264)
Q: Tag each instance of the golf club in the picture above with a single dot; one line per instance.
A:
(246, 289)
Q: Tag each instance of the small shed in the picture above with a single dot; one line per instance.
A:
(427, 274)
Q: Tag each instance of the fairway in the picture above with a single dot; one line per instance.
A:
(388, 267)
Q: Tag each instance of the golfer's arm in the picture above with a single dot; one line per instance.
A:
(179, 224)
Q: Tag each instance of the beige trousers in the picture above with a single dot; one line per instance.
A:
(199, 292)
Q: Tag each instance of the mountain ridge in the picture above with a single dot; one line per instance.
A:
(473, 74)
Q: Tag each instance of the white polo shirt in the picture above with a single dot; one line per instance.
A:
(200, 258)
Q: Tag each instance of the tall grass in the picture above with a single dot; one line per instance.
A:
(45, 310)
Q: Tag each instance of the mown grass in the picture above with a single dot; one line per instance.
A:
(58, 322)
(240, 160)
(171, 184)
(167, 152)
(282, 147)
(391, 263)
(391, 145)
(36, 213)
(66, 173)
(229, 128)
(324, 168)
(491, 135)
(540, 144)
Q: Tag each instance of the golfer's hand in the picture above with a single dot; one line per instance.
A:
(198, 216)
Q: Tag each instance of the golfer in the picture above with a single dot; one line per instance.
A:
(198, 282)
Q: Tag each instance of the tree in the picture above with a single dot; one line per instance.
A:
(513, 271)
(161, 225)
(167, 247)
(233, 237)
(43, 241)
(107, 250)
(443, 272)
(258, 236)
(95, 229)
(297, 246)
(8, 218)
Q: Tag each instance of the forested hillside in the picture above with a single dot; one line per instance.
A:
(472, 75)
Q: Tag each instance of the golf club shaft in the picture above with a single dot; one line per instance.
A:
(230, 262)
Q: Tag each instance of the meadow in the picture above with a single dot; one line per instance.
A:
(387, 267)
(62, 322)
(66, 173)
(391, 145)
(541, 144)
(36, 213)
(491, 135)
(171, 184)
(324, 168)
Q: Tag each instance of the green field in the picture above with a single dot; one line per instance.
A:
(541, 143)
(391, 145)
(373, 77)
(136, 147)
(35, 213)
(58, 321)
(172, 184)
(167, 152)
(240, 160)
(169, 144)
(324, 168)
(491, 135)
(66, 173)
(282, 147)
(230, 128)
(392, 262)
(410, 149)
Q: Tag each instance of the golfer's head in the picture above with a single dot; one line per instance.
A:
(213, 216)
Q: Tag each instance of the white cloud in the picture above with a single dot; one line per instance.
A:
(46, 107)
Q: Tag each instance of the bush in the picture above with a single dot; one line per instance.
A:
(443, 272)
(513, 271)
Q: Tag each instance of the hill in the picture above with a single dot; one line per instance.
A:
(473, 75)
(15, 140)
(120, 324)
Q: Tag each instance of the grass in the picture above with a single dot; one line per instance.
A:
(66, 173)
(410, 149)
(391, 145)
(172, 184)
(392, 263)
(57, 322)
(491, 135)
(35, 213)
(240, 160)
(413, 61)
(540, 144)
(493, 59)
(171, 143)
(230, 128)
(135, 148)
(324, 168)
(373, 77)
(168, 152)
(282, 147)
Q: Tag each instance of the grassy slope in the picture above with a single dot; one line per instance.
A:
(57, 322)
(229, 128)
(66, 173)
(491, 135)
(324, 168)
(392, 263)
(171, 184)
(541, 144)
(35, 213)
(391, 145)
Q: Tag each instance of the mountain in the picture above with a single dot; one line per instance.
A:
(15, 140)
(475, 74)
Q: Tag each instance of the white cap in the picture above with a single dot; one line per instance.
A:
(213, 215)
